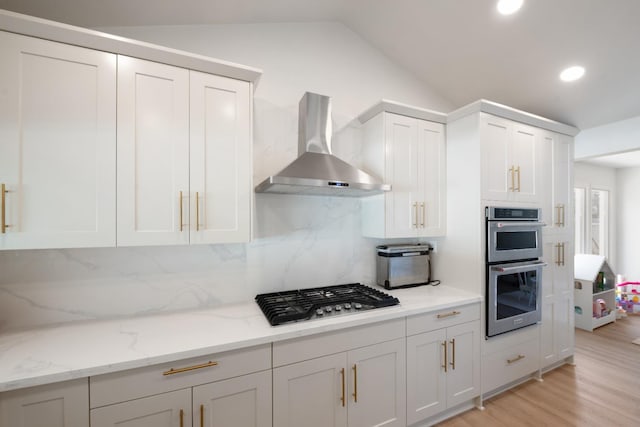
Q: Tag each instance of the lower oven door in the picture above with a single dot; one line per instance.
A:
(514, 296)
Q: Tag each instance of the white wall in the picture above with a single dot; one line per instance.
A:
(299, 241)
(590, 177)
(628, 212)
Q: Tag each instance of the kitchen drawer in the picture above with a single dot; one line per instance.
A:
(442, 318)
(135, 383)
(503, 367)
(299, 349)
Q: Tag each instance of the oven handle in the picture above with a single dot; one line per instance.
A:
(521, 224)
(519, 267)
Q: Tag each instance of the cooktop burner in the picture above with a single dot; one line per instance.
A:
(305, 304)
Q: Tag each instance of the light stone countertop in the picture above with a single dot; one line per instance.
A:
(48, 355)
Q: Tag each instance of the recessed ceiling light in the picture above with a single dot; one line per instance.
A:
(572, 73)
(507, 7)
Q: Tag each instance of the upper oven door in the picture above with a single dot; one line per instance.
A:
(513, 240)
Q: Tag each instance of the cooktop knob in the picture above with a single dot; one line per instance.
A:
(319, 312)
(347, 306)
(328, 309)
(338, 307)
(358, 306)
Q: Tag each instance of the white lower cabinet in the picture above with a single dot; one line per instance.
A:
(238, 402)
(63, 404)
(443, 365)
(229, 389)
(163, 410)
(510, 358)
(358, 380)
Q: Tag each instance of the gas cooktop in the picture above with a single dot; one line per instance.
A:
(327, 301)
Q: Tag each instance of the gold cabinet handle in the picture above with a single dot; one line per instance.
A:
(424, 214)
(201, 415)
(181, 418)
(197, 211)
(453, 353)
(180, 201)
(515, 359)
(517, 170)
(173, 371)
(355, 383)
(563, 214)
(562, 251)
(444, 365)
(415, 215)
(451, 313)
(3, 208)
(558, 262)
(513, 178)
(342, 398)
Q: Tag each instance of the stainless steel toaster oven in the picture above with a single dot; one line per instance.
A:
(401, 266)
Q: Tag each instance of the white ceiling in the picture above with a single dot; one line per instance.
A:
(461, 48)
(629, 159)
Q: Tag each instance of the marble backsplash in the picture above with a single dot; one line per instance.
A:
(299, 241)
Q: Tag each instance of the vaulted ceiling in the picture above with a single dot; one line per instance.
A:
(462, 48)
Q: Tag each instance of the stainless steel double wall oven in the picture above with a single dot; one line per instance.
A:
(513, 268)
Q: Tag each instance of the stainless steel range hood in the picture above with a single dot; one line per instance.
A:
(316, 171)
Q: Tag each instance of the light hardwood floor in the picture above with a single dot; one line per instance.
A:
(602, 389)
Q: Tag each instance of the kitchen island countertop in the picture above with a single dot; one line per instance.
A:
(83, 349)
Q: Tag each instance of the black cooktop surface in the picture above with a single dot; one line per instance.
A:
(327, 301)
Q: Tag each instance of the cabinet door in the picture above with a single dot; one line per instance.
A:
(523, 157)
(220, 153)
(153, 153)
(556, 329)
(563, 182)
(311, 393)
(57, 156)
(162, 410)
(556, 169)
(497, 183)
(431, 176)
(426, 377)
(463, 376)
(377, 385)
(56, 405)
(239, 402)
(402, 209)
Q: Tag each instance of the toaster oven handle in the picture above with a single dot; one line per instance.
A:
(519, 267)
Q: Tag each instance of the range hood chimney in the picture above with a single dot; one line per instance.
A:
(316, 171)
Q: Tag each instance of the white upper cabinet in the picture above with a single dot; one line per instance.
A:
(57, 144)
(558, 161)
(510, 160)
(153, 153)
(408, 154)
(95, 147)
(220, 166)
(184, 156)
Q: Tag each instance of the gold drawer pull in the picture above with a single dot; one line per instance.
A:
(189, 368)
(355, 383)
(453, 313)
(515, 359)
(3, 208)
(446, 359)
(342, 399)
